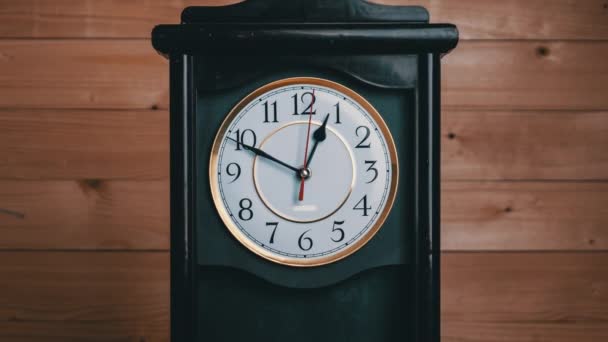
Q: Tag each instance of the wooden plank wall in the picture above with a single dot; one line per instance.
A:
(84, 168)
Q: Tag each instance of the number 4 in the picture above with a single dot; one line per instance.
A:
(362, 205)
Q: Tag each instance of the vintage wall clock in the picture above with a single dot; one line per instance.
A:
(305, 171)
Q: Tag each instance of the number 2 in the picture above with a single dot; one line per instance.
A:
(362, 144)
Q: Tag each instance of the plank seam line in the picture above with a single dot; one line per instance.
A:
(458, 110)
(78, 109)
(526, 180)
(101, 179)
(464, 108)
(88, 109)
(76, 250)
(526, 251)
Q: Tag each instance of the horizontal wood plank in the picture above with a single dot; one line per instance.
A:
(84, 296)
(84, 144)
(476, 19)
(84, 214)
(132, 215)
(516, 216)
(526, 75)
(487, 297)
(523, 145)
(127, 74)
(476, 145)
(95, 74)
(525, 297)
(519, 19)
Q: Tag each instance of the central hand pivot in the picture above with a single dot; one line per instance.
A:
(304, 173)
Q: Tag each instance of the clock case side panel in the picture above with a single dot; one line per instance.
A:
(428, 159)
(182, 196)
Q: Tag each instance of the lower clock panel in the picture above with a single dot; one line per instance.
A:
(375, 305)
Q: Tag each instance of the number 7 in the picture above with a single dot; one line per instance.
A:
(270, 224)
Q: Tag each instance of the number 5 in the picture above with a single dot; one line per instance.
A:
(340, 230)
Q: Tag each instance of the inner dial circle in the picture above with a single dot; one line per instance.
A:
(332, 168)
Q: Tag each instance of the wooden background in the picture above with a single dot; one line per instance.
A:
(84, 170)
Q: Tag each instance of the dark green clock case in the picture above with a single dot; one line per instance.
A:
(386, 291)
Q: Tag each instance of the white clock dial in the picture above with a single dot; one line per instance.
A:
(303, 171)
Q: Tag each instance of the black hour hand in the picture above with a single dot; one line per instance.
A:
(319, 135)
(263, 154)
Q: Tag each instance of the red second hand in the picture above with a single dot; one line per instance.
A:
(301, 196)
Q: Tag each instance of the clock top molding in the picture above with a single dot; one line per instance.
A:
(297, 26)
(310, 11)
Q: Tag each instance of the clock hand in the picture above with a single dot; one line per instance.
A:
(318, 136)
(301, 195)
(263, 154)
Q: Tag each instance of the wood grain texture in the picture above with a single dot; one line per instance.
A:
(525, 297)
(134, 215)
(524, 145)
(476, 145)
(526, 75)
(84, 296)
(84, 144)
(84, 215)
(520, 19)
(495, 297)
(94, 74)
(476, 19)
(519, 216)
(127, 74)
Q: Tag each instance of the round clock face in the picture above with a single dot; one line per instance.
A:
(303, 171)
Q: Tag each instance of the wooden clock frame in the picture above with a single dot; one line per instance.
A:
(263, 27)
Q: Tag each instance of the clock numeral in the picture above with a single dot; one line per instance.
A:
(372, 169)
(308, 99)
(366, 134)
(362, 205)
(305, 243)
(337, 105)
(245, 213)
(339, 230)
(274, 112)
(236, 174)
(274, 230)
(241, 137)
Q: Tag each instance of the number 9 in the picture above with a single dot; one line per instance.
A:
(230, 172)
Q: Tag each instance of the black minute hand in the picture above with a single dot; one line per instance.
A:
(318, 136)
(263, 154)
